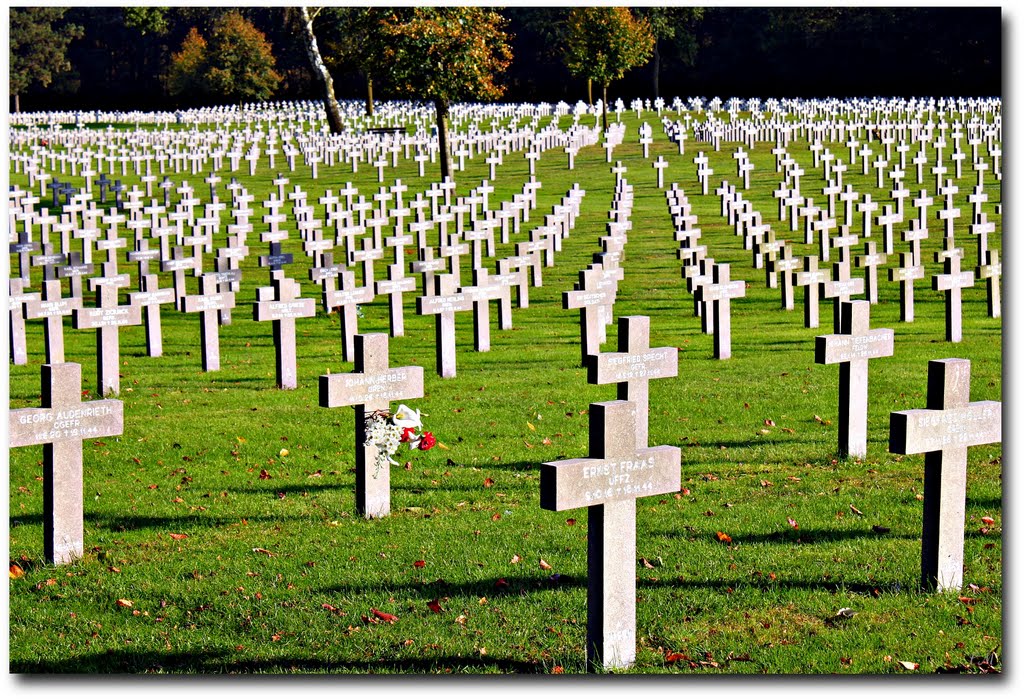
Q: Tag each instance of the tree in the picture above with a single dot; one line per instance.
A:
(38, 47)
(352, 40)
(674, 25)
(443, 54)
(236, 63)
(334, 118)
(602, 43)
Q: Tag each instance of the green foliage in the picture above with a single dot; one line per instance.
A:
(39, 40)
(443, 53)
(602, 43)
(236, 63)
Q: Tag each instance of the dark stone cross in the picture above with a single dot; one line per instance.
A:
(61, 425)
(282, 310)
(608, 483)
(371, 387)
(74, 270)
(208, 303)
(851, 349)
(275, 260)
(107, 318)
(23, 249)
(942, 432)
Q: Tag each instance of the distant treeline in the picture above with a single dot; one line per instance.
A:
(120, 56)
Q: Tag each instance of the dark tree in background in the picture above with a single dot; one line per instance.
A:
(107, 57)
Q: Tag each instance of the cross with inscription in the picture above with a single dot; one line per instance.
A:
(369, 388)
(784, 267)
(851, 349)
(107, 318)
(177, 266)
(346, 300)
(443, 305)
(633, 367)
(74, 270)
(282, 310)
(942, 432)
(905, 274)
(52, 307)
(608, 483)
(810, 278)
(870, 261)
(61, 425)
(150, 298)
(208, 303)
(588, 298)
(840, 288)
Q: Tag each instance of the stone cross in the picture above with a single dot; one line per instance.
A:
(346, 299)
(61, 425)
(840, 288)
(633, 366)
(177, 265)
(150, 298)
(107, 318)
(851, 349)
(588, 298)
(810, 278)
(74, 270)
(952, 281)
(720, 293)
(870, 261)
(942, 432)
(443, 305)
(905, 274)
(990, 272)
(208, 303)
(393, 287)
(608, 483)
(53, 308)
(369, 388)
(483, 291)
(282, 310)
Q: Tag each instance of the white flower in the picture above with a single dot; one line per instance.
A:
(406, 417)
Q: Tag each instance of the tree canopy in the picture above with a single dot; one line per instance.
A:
(602, 43)
(39, 39)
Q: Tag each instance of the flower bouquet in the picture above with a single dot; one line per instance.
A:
(387, 431)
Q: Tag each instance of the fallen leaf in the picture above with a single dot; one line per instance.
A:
(845, 613)
(646, 564)
(854, 510)
(419, 564)
(434, 606)
(545, 565)
(259, 550)
(124, 602)
(792, 523)
(674, 657)
(501, 583)
(907, 665)
(16, 571)
(557, 670)
(264, 474)
(988, 520)
(488, 482)
(496, 516)
(283, 452)
(530, 425)
(770, 423)
(516, 558)
(384, 616)
(178, 537)
(570, 522)
(722, 536)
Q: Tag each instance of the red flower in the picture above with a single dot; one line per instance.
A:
(407, 434)
(427, 441)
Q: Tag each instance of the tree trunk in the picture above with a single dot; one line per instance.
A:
(334, 118)
(590, 92)
(604, 112)
(441, 108)
(369, 95)
(17, 103)
(657, 70)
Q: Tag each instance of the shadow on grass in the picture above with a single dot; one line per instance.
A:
(221, 663)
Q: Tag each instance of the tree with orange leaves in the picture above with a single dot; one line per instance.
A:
(602, 43)
(444, 55)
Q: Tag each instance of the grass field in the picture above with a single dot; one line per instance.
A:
(225, 512)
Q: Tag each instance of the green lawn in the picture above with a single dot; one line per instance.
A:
(225, 512)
